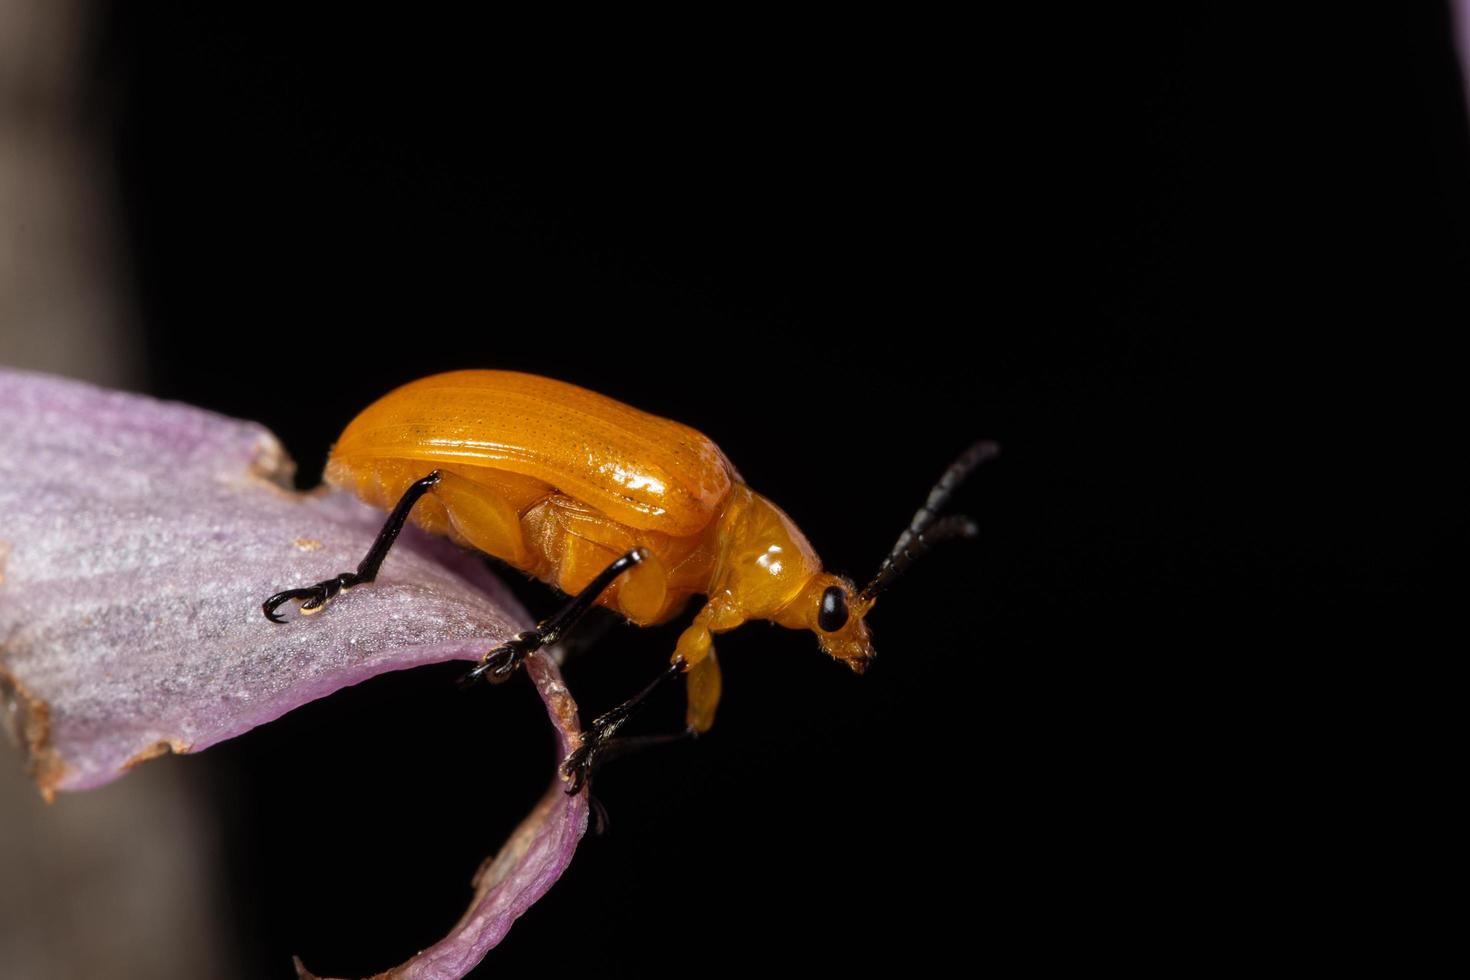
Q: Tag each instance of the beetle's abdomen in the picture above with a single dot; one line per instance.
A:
(647, 472)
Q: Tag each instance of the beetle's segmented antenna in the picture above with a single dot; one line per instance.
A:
(926, 530)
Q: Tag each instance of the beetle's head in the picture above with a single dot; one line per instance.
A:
(831, 608)
(835, 610)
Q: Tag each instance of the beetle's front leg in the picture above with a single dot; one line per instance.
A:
(702, 690)
(694, 657)
(317, 596)
(578, 765)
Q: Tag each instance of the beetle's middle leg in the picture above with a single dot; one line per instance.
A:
(317, 596)
(499, 663)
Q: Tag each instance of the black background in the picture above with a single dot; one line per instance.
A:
(1197, 273)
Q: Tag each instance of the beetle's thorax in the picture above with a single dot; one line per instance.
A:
(766, 569)
(762, 560)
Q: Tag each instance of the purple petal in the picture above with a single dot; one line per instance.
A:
(137, 541)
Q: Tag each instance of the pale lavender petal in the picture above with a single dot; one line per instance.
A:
(137, 541)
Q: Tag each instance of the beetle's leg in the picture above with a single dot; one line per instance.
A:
(578, 765)
(620, 748)
(499, 663)
(702, 682)
(319, 595)
(702, 692)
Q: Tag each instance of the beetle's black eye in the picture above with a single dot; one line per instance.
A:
(833, 614)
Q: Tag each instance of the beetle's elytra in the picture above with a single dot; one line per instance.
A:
(611, 505)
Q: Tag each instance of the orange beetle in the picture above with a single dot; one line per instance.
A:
(612, 506)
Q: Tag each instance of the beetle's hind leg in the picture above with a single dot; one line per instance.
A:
(500, 663)
(317, 596)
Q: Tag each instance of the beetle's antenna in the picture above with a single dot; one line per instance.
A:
(927, 529)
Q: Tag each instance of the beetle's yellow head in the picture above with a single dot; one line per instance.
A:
(770, 571)
(833, 609)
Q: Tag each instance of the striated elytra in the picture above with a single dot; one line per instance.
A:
(613, 506)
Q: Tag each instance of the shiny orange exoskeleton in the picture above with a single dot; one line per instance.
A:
(559, 481)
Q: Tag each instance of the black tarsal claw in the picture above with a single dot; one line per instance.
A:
(281, 598)
(315, 597)
(500, 664)
(469, 679)
(578, 766)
